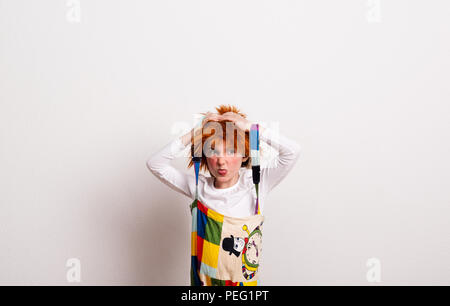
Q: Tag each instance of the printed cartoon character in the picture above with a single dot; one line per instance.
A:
(234, 245)
(249, 247)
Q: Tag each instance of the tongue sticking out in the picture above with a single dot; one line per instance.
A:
(222, 172)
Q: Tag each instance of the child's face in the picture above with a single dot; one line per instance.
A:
(224, 158)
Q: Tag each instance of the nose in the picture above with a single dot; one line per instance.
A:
(220, 160)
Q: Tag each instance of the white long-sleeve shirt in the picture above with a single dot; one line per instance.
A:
(238, 200)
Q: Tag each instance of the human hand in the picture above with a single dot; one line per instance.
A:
(239, 121)
(210, 117)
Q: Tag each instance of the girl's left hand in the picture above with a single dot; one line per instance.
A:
(238, 120)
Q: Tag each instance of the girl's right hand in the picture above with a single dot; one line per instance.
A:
(210, 117)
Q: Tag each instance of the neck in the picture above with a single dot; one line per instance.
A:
(226, 184)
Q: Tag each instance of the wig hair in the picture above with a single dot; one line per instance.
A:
(212, 137)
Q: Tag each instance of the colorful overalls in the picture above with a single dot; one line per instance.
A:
(225, 250)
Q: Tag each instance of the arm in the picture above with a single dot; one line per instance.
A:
(159, 162)
(288, 152)
(288, 155)
(160, 165)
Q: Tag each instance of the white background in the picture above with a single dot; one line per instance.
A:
(84, 102)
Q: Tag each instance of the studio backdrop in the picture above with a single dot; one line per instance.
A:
(89, 90)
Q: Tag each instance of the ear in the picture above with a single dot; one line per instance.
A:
(245, 159)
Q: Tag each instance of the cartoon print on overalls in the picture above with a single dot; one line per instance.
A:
(249, 247)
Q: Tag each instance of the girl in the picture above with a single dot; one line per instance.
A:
(226, 209)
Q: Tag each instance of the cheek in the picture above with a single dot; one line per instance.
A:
(234, 163)
(237, 162)
(211, 161)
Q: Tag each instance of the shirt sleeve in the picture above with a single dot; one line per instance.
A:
(160, 165)
(288, 154)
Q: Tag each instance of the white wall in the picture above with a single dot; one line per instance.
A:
(84, 104)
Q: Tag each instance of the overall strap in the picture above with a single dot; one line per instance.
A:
(196, 161)
(256, 169)
(198, 129)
